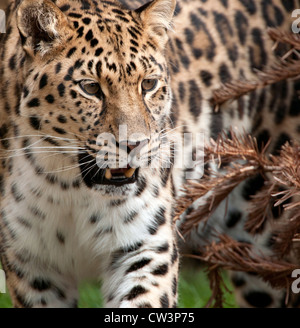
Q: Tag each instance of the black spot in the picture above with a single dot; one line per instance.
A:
(64, 8)
(174, 256)
(73, 94)
(57, 68)
(50, 99)
(41, 284)
(16, 194)
(60, 236)
(267, 8)
(35, 211)
(294, 109)
(161, 270)
(216, 124)
(174, 286)
(141, 186)
(86, 20)
(68, 77)
(163, 248)
(3, 131)
(271, 240)
(78, 63)
(75, 15)
(94, 218)
(249, 5)
(164, 301)
(51, 178)
(224, 74)
(89, 36)
(241, 23)
(12, 62)
(117, 202)
(80, 32)
(237, 281)
(94, 42)
(135, 292)
(281, 140)
(131, 248)
(224, 3)
(165, 174)
(258, 57)
(34, 103)
(117, 11)
(288, 5)
(43, 81)
(2, 190)
(62, 119)
(252, 186)
(206, 77)
(233, 218)
(181, 91)
(258, 299)
(211, 46)
(59, 130)
(71, 52)
(195, 20)
(159, 220)
(223, 26)
(64, 185)
(263, 138)
(195, 99)
(61, 89)
(130, 217)
(98, 52)
(35, 122)
(138, 265)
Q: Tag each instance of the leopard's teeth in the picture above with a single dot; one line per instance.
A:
(108, 174)
(129, 173)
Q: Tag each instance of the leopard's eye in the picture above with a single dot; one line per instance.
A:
(90, 87)
(149, 85)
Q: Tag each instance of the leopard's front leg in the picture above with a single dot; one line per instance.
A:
(145, 273)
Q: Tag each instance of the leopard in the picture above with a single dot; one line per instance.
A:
(93, 95)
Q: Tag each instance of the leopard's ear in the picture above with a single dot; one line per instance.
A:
(157, 16)
(43, 27)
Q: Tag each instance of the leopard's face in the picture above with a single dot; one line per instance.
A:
(98, 89)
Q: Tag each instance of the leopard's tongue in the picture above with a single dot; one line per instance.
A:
(127, 172)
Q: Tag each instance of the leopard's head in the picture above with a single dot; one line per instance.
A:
(96, 82)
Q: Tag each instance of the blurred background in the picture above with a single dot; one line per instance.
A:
(3, 4)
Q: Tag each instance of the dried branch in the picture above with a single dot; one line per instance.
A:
(292, 39)
(287, 234)
(282, 186)
(232, 255)
(260, 209)
(238, 88)
(216, 186)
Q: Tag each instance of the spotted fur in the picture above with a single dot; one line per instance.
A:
(57, 226)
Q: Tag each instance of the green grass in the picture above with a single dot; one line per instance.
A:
(194, 292)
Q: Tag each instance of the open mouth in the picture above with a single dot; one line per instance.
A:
(92, 174)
